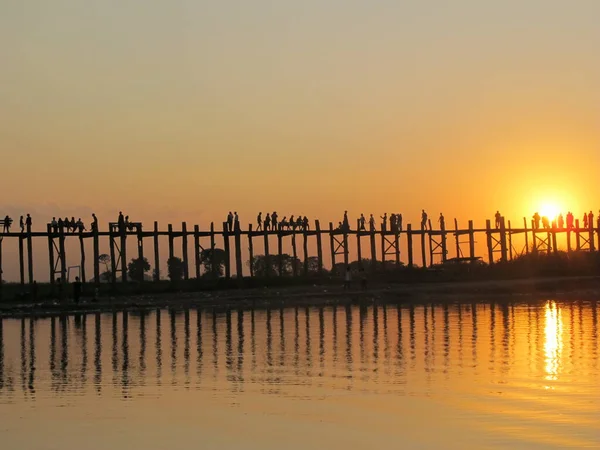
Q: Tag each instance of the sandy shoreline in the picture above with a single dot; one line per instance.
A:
(559, 288)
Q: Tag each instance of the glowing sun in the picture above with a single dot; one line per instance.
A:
(549, 210)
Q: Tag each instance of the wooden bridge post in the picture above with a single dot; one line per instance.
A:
(82, 254)
(554, 246)
(30, 253)
(346, 256)
(227, 250)
(332, 246)
(526, 236)
(21, 260)
(409, 244)
(373, 250)
(156, 253)
(510, 246)
(423, 247)
(534, 247)
(568, 233)
(63, 258)
(113, 261)
(397, 245)
(305, 251)
(430, 246)
(215, 272)
(294, 255)
(577, 236)
(471, 242)
(279, 252)
(197, 250)
(123, 233)
(592, 240)
(382, 249)
(140, 247)
(503, 246)
(171, 240)
(237, 238)
(267, 256)
(250, 251)
(319, 247)
(444, 242)
(1, 277)
(96, 251)
(358, 249)
(50, 253)
(456, 238)
(488, 233)
(184, 251)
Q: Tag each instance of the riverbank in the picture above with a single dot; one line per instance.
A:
(557, 288)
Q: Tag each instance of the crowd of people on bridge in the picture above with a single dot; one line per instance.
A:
(559, 223)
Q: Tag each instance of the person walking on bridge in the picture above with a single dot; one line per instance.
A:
(259, 222)
(361, 222)
(442, 222)
(230, 221)
(22, 224)
(28, 222)
(585, 220)
(274, 220)
(371, 223)
(423, 220)
(498, 219)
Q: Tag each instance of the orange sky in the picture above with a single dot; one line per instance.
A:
(186, 111)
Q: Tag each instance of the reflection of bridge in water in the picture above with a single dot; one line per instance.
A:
(373, 348)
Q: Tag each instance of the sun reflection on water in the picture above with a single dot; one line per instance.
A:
(553, 344)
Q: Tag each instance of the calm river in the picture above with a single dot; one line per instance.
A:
(468, 376)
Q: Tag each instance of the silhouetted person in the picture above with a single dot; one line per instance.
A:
(361, 222)
(423, 220)
(67, 224)
(545, 223)
(585, 220)
(393, 222)
(591, 219)
(236, 221)
(60, 224)
(347, 278)
(371, 223)
(570, 220)
(80, 226)
(259, 222)
(498, 218)
(442, 222)
(76, 290)
(384, 222)
(22, 223)
(230, 221)
(561, 221)
(121, 221)
(94, 222)
(305, 223)
(345, 221)
(299, 222)
(292, 222)
(536, 220)
(274, 220)
(7, 222)
(399, 221)
(54, 225)
(267, 222)
(339, 227)
(28, 222)
(283, 223)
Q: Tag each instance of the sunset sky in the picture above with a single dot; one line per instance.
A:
(184, 110)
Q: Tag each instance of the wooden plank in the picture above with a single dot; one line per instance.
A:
(319, 247)
(471, 241)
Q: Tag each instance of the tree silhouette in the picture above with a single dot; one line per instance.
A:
(213, 261)
(175, 268)
(107, 274)
(137, 268)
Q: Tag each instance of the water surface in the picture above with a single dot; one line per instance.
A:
(464, 376)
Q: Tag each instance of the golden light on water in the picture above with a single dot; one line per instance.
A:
(553, 340)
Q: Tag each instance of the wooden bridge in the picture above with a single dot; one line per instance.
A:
(434, 245)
